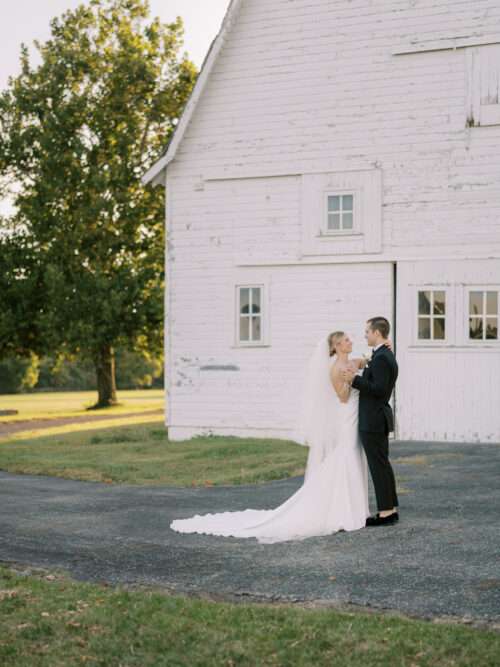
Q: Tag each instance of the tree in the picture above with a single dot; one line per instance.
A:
(76, 134)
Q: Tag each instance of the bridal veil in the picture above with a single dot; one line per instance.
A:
(318, 414)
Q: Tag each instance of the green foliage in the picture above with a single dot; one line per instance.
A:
(20, 302)
(81, 263)
(137, 370)
(134, 370)
(66, 372)
(18, 374)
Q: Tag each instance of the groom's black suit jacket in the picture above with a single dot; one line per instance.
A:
(375, 387)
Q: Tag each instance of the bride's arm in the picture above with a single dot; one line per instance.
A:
(342, 388)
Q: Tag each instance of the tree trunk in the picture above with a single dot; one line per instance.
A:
(105, 373)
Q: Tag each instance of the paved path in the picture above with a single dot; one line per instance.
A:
(15, 426)
(440, 560)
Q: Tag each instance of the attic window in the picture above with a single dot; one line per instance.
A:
(340, 212)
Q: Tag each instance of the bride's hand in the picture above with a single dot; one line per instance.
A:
(348, 375)
(388, 343)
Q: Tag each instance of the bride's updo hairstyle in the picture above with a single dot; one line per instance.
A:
(333, 339)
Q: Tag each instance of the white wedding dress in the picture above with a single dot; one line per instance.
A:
(333, 497)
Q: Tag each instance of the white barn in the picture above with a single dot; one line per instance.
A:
(337, 159)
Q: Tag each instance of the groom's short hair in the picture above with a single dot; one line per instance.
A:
(380, 324)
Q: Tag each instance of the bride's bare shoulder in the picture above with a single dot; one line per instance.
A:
(342, 389)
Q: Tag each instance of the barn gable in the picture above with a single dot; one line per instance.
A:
(155, 173)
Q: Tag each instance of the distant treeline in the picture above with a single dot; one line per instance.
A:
(134, 370)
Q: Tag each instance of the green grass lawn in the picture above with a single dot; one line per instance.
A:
(135, 450)
(142, 454)
(54, 621)
(51, 404)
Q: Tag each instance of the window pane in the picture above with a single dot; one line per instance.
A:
(439, 303)
(424, 327)
(475, 303)
(255, 299)
(244, 299)
(492, 328)
(347, 221)
(244, 328)
(475, 327)
(334, 221)
(255, 328)
(439, 328)
(347, 202)
(333, 203)
(492, 303)
(424, 303)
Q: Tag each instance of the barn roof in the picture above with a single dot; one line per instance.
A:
(155, 172)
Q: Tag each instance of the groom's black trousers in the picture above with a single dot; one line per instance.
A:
(376, 446)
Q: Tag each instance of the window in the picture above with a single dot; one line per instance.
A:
(431, 315)
(483, 315)
(250, 328)
(340, 212)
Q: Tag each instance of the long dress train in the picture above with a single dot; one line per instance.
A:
(333, 497)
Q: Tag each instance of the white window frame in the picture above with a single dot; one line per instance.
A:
(264, 315)
(448, 317)
(366, 236)
(355, 229)
(479, 342)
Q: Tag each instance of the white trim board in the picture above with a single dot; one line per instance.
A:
(443, 44)
(155, 172)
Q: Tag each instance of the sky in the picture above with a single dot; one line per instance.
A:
(26, 20)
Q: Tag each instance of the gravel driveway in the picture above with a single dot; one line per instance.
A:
(442, 559)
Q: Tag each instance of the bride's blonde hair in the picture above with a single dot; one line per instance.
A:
(334, 338)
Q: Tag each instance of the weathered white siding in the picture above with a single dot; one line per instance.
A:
(446, 391)
(215, 385)
(243, 391)
(315, 86)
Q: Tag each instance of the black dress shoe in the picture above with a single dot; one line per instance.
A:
(394, 515)
(382, 520)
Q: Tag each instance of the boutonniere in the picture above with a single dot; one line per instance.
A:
(367, 358)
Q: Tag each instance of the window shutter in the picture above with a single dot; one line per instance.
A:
(483, 85)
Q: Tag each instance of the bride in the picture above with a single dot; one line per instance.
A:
(334, 495)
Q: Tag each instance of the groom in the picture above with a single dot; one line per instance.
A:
(376, 419)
